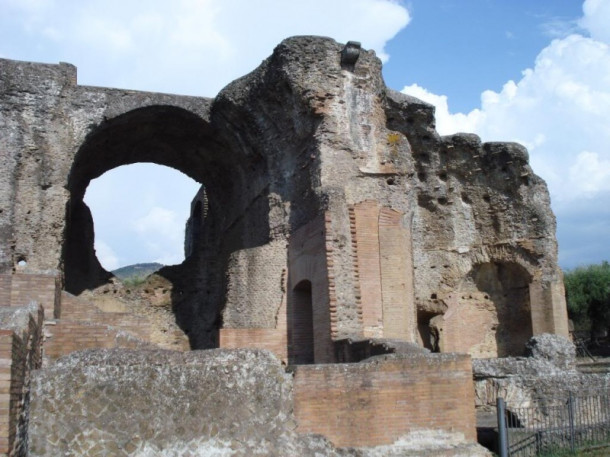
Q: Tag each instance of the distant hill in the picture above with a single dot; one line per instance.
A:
(137, 271)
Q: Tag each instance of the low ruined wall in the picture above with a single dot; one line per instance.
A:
(548, 373)
(242, 402)
(160, 403)
(378, 401)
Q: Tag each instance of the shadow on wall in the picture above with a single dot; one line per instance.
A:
(489, 315)
(507, 286)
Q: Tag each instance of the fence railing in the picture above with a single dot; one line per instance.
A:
(552, 426)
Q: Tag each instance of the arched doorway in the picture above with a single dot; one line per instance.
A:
(301, 335)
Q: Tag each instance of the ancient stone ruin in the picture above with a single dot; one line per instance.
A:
(334, 225)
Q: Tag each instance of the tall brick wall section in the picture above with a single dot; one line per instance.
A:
(367, 265)
(549, 315)
(7, 419)
(399, 311)
(383, 269)
(375, 403)
(5, 290)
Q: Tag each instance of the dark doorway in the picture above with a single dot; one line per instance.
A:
(301, 325)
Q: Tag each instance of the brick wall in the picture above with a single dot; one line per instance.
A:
(374, 403)
(469, 325)
(399, 311)
(5, 290)
(367, 265)
(65, 336)
(20, 353)
(383, 270)
(272, 339)
(76, 309)
(26, 288)
(549, 313)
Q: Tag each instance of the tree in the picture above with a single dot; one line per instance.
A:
(588, 296)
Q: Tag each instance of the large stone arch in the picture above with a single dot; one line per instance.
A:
(180, 139)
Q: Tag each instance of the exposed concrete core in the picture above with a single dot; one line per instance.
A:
(311, 170)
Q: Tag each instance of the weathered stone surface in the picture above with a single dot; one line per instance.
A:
(149, 402)
(201, 403)
(555, 348)
(303, 136)
(548, 374)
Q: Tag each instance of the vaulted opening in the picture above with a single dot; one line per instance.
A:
(182, 140)
(139, 213)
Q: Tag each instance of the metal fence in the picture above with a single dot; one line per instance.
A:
(555, 426)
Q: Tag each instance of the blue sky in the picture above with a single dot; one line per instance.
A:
(537, 72)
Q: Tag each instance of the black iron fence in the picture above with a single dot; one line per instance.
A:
(555, 427)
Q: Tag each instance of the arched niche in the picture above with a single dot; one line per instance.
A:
(502, 288)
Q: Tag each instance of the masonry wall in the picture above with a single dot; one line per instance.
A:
(549, 315)
(21, 289)
(376, 402)
(383, 271)
(20, 353)
(272, 339)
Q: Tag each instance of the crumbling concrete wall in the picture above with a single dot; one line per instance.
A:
(547, 373)
(306, 135)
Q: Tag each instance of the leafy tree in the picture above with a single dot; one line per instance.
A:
(588, 296)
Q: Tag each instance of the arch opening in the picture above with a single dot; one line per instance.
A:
(182, 140)
(139, 213)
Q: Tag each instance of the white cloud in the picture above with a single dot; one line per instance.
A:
(590, 173)
(162, 231)
(106, 255)
(596, 19)
(205, 44)
(560, 110)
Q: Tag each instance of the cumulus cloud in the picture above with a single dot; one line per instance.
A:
(203, 43)
(560, 110)
(596, 19)
(106, 255)
(162, 231)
